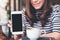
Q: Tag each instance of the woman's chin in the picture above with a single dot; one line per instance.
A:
(37, 8)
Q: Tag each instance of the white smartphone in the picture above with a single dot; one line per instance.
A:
(16, 17)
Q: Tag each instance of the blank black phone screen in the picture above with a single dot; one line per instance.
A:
(17, 22)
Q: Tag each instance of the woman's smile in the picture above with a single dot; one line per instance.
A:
(37, 4)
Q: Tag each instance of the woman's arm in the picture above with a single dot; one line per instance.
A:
(54, 35)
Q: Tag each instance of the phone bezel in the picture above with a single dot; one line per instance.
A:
(16, 12)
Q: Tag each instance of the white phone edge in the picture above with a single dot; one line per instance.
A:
(16, 12)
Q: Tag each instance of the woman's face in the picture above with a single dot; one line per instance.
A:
(37, 4)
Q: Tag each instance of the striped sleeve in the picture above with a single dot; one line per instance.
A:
(24, 21)
(56, 19)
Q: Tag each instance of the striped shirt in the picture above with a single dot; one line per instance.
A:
(52, 26)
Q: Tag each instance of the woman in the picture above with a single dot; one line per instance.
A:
(40, 13)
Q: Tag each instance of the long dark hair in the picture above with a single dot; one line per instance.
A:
(31, 18)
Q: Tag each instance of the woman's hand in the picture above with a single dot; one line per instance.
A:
(16, 37)
(54, 35)
(10, 25)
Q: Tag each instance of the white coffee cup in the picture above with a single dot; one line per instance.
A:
(33, 33)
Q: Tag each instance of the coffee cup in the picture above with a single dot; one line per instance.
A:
(33, 33)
